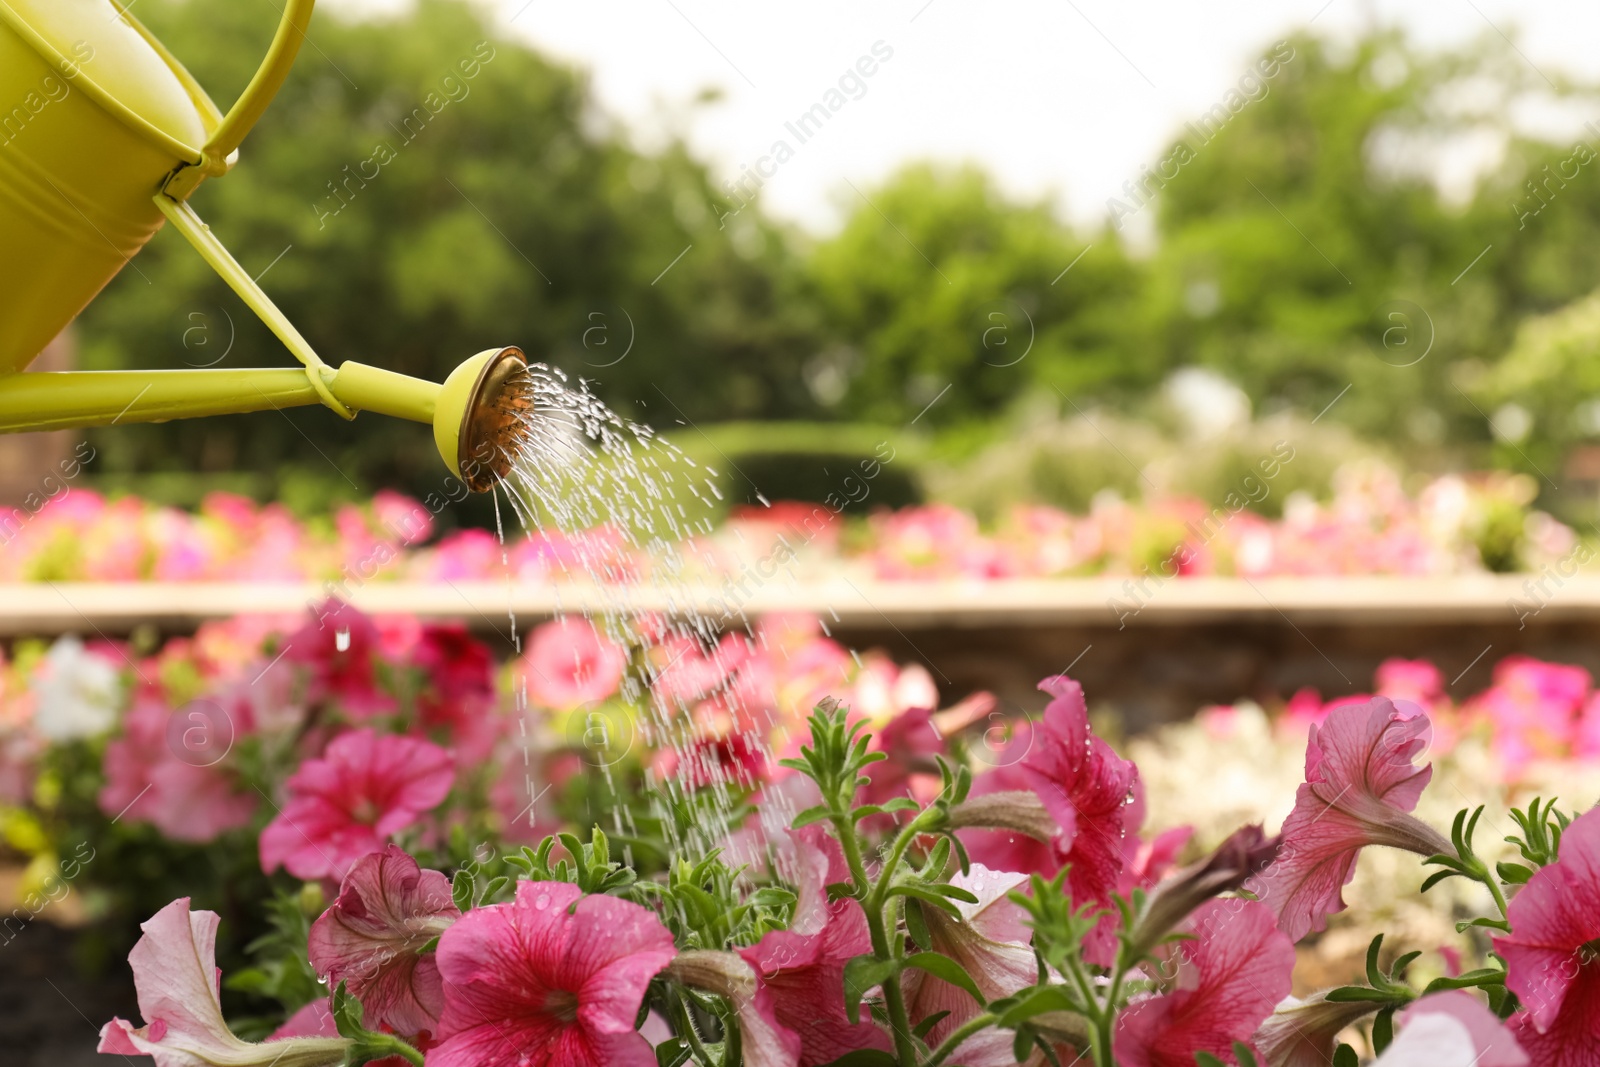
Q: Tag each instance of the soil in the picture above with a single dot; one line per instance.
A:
(54, 1009)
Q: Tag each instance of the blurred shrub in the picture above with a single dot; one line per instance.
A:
(1067, 462)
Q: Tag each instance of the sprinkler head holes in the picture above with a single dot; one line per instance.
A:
(495, 423)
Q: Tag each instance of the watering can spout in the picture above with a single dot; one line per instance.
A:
(478, 414)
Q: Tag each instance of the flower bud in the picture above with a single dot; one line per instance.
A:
(1019, 810)
(1246, 852)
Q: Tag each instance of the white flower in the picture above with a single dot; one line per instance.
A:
(76, 692)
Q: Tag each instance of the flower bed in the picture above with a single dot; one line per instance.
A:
(367, 801)
(1370, 526)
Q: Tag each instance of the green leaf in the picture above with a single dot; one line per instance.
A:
(927, 896)
(1352, 994)
(1345, 1056)
(1383, 1030)
(1513, 873)
(461, 889)
(1036, 1001)
(922, 1028)
(955, 892)
(1206, 1059)
(811, 815)
(1374, 973)
(1438, 876)
(917, 924)
(860, 975)
(941, 966)
(673, 1052)
(1482, 979)
(1242, 1053)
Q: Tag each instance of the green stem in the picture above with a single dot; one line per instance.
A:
(1098, 1014)
(948, 1046)
(1499, 897)
(893, 998)
(686, 1026)
(401, 1048)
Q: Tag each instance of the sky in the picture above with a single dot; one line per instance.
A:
(1060, 99)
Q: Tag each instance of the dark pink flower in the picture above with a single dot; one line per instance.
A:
(911, 742)
(189, 799)
(459, 700)
(387, 909)
(569, 663)
(1361, 785)
(364, 789)
(553, 979)
(1229, 979)
(175, 972)
(340, 648)
(1091, 793)
(1553, 953)
(802, 968)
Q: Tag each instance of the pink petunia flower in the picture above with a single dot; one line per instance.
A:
(993, 942)
(364, 789)
(340, 646)
(165, 772)
(175, 972)
(763, 1041)
(569, 663)
(388, 908)
(1088, 789)
(1452, 1029)
(802, 968)
(1228, 981)
(552, 979)
(1551, 960)
(459, 700)
(1361, 785)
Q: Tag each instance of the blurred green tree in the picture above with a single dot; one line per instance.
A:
(410, 239)
(937, 281)
(1308, 248)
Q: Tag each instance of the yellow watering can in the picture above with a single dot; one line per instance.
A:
(103, 137)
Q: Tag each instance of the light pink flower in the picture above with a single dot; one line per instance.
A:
(763, 1041)
(1229, 979)
(569, 663)
(146, 781)
(175, 971)
(1452, 1029)
(553, 979)
(1551, 960)
(993, 942)
(1361, 784)
(1302, 1033)
(364, 789)
(387, 909)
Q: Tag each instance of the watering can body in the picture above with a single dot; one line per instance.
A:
(93, 118)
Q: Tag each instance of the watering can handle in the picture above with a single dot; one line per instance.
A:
(252, 103)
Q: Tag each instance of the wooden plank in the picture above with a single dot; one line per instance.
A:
(49, 608)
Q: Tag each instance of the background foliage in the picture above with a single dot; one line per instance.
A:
(1305, 252)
